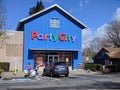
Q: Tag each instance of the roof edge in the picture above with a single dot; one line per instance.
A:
(55, 5)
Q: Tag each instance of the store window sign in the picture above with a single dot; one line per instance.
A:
(53, 37)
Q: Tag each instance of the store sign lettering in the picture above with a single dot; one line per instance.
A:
(61, 36)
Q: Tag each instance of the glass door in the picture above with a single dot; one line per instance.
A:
(53, 58)
(56, 59)
(50, 59)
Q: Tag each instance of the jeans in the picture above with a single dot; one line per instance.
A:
(28, 73)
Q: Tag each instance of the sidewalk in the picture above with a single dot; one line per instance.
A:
(79, 72)
(10, 75)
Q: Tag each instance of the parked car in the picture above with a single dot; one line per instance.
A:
(56, 68)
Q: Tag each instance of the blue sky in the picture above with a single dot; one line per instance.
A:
(93, 13)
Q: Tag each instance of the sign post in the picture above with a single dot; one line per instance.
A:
(15, 60)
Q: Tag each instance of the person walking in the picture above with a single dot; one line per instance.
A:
(29, 68)
(37, 68)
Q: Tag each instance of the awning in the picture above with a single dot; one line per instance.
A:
(57, 49)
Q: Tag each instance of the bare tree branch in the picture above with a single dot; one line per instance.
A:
(113, 33)
(3, 35)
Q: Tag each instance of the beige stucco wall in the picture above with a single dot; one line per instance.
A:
(12, 49)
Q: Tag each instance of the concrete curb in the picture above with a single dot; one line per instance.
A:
(11, 75)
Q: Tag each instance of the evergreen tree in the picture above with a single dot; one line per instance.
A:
(39, 6)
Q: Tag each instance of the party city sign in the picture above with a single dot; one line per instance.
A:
(53, 37)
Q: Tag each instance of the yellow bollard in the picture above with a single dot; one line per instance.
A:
(15, 60)
(15, 71)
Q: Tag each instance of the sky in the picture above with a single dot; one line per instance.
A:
(95, 14)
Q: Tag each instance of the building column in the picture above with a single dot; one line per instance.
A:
(77, 58)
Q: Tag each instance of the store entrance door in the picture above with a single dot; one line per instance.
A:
(53, 58)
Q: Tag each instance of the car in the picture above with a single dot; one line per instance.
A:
(56, 68)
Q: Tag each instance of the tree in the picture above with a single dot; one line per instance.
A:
(2, 24)
(2, 16)
(111, 39)
(94, 46)
(113, 33)
(39, 6)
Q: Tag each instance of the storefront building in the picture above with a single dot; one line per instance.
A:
(11, 51)
(51, 35)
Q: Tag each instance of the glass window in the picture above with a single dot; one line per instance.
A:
(60, 63)
(54, 23)
(65, 56)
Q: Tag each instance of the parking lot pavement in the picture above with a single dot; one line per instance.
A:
(94, 77)
(73, 82)
(73, 74)
(25, 80)
(9, 75)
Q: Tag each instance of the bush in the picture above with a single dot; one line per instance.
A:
(111, 68)
(5, 66)
(1, 70)
(93, 67)
(106, 70)
(114, 67)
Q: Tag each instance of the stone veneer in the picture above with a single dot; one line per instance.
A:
(11, 49)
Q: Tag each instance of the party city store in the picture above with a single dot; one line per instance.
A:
(51, 35)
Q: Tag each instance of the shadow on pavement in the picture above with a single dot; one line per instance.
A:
(97, 85)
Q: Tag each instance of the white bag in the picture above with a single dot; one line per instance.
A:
(33, 73)
(26, 72)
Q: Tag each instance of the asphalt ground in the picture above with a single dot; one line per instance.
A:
(73, 82)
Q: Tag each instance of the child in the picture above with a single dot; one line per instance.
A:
(29, 68)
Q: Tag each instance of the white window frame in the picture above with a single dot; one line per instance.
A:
(54, 22)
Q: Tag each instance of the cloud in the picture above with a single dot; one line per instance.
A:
(117, 15)
(83, 3)
(87, 1)
(86, 33)
(101, 31)
(86, 37)
(49, 1)
(71, 10)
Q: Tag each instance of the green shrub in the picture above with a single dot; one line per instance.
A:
(111, 68)
(117, 68)
(114, 67)
(1, 70)
(93, 67)
(106, 70)
(5, 66)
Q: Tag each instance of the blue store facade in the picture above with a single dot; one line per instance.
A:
(51, 35)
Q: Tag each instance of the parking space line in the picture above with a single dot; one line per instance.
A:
(102, 75)
(79, 76)
(56, 79)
